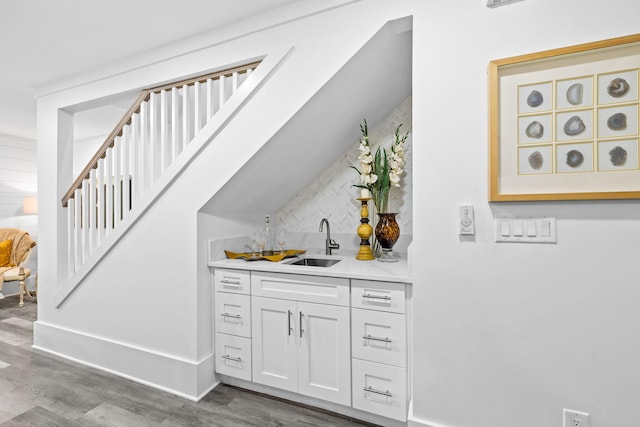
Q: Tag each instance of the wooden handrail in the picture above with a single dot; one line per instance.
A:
(135, 108)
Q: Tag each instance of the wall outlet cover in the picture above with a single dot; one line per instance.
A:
(496, 3)
(573, 418)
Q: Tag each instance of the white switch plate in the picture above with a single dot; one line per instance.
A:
(526, 229)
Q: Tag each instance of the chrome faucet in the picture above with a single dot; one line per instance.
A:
(329, 244)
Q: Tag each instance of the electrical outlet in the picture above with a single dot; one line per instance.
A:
(575, 418)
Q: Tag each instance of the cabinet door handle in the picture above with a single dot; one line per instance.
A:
(385, 298)
(289, 322)
(301, 330)
(373, 390)
(372, 338)
(230, 282)
(233, 359)
(234, 316)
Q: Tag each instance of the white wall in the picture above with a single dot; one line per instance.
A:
(18, 178)
(509, 334)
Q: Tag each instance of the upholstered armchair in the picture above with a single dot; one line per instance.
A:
(15, 249)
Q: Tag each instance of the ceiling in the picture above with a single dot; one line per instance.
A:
(43, 41)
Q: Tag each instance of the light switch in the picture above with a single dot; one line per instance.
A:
(505, 228)
(531, 228)
(545, 228)
(517, 228)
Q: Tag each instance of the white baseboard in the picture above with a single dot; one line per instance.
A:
(413, 421)
(185, 378)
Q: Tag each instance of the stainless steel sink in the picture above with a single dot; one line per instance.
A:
(314, 262)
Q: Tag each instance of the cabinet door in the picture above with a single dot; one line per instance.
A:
(274, 352)
(324, 359)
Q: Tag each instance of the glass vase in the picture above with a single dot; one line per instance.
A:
(387, 234)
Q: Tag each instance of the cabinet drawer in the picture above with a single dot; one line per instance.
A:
(233, 314)
(317, 289)
(380, 389)
(233, 356)
(236, 281)
(384, 296)
(379, 336)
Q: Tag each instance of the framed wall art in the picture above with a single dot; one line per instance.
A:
(564, 124)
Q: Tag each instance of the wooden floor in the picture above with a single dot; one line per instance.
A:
(38, 389)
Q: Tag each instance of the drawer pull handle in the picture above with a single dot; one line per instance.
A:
(373, 390)
(289, 329)
(230, 282)
(234, 316)
(233, 359)
(385, 298)
(369, 337)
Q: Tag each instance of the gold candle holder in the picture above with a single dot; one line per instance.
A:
(364, 231)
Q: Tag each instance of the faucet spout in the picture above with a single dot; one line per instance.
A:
(329, 243)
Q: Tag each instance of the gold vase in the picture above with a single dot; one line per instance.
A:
(387, 233)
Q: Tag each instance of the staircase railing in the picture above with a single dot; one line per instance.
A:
(151, 135)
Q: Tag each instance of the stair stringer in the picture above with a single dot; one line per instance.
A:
(207, 134)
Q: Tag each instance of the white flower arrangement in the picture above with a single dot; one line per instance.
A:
(380, 172)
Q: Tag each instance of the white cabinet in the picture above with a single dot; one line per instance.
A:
(232, 323)
(302, 346)
(336, 339)
(379, 347)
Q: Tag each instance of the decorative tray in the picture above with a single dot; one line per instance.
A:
(248, 256)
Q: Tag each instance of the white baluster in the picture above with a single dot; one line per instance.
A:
(101, 204)
(108, 170)
(126, 188)
(154, 128)
(78, 229)
(85, 230)
(210, 98)
(221, 82)
(144, 147)
(234, 80)
(91, 211)
(175, 128)
(135, 157)
(164, 131)
(197, 108)
(71, 241)
(186, 115)
(117, 181)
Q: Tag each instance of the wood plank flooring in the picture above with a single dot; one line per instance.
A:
(38, 389)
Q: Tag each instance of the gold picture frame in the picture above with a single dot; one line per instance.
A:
(564, 124)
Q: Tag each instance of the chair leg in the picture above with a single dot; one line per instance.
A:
(23, 289)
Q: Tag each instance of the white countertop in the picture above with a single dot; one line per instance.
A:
(348, 267)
